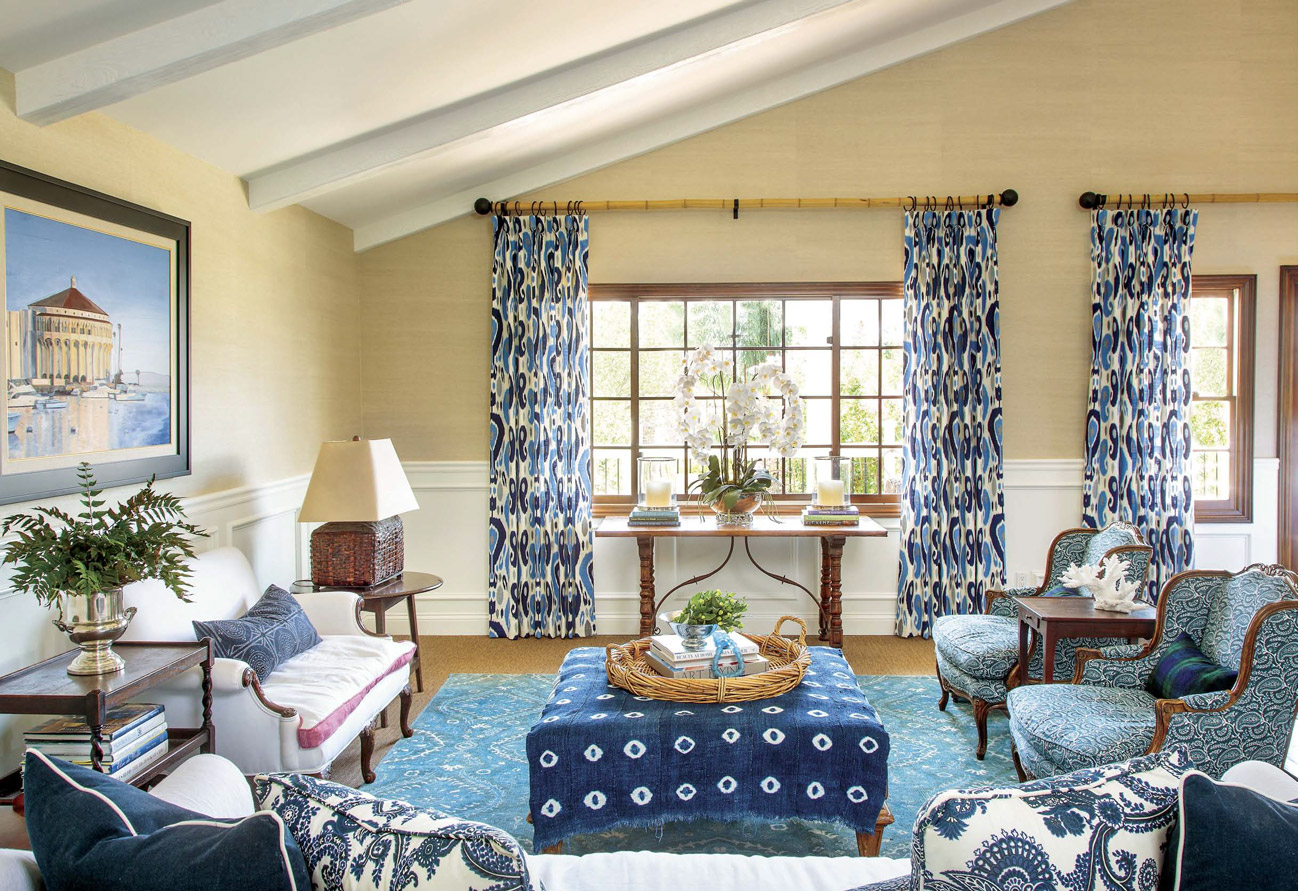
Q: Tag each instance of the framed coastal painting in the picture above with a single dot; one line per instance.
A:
(96, 337)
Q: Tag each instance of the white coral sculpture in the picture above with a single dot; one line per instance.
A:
(1107, 584)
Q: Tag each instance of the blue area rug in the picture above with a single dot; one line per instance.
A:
(467, 758)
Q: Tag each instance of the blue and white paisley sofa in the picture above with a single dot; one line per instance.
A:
(975, 655)
(1244, 620)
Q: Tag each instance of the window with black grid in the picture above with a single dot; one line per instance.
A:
(842, 343)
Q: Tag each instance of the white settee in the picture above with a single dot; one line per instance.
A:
(309, 709)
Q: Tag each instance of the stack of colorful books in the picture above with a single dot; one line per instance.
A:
(654, 516)
(824, 515)
(670, 658)
(135, 736)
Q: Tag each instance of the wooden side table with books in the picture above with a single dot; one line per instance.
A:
(46, 688)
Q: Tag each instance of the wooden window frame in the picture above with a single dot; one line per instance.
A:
(880, 505)
(1238, 507)
(1288, 422)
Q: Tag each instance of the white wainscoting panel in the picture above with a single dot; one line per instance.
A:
(448, 536)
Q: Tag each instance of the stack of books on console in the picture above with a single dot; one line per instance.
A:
(670, 658)
(839, 515)
(654, 516)
(135, 736)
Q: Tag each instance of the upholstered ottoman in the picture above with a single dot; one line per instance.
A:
(600, 758)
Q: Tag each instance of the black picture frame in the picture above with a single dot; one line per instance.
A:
(45, 483)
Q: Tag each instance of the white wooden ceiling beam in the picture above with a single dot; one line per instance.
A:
(707, 116)
(336, 166)
(172, 50)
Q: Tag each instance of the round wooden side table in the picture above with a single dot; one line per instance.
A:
(378, 599)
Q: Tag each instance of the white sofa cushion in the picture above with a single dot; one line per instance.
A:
(654, 871)
(326, 683)
(207, 784)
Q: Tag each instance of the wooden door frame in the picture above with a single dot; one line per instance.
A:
(1288, 425)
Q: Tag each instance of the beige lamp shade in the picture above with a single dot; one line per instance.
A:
(357, 481)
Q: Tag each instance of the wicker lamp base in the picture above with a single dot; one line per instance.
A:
(357, 555)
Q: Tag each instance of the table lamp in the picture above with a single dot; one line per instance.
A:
(357, 489)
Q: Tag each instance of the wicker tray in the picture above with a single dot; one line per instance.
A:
(626, 668)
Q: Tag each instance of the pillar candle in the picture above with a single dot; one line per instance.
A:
(658, 493)
(830, 492)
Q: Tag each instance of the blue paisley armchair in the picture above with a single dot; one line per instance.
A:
(976, 655)
(1245, 620)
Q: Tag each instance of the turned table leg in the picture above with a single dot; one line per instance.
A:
(832, 554)
(645, 548)
(825, 592)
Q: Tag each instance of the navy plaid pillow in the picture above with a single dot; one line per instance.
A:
(1185, 670)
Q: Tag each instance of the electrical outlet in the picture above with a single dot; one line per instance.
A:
(1025, 580)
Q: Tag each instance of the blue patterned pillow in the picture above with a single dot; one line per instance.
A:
(1077, 830)
(1184, 670)
(353, 841)
(273, 631)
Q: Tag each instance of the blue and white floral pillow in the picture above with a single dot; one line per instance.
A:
(353, 841)
(1105, 827)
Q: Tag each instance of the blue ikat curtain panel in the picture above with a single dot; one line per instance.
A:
(1137, 465)
(540, 581)
(953, 528)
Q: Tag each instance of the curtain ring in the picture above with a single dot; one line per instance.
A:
(1187, 200)
(578, 208)
(913, 207)
(991, 203)
(516, 208)
(959, 204)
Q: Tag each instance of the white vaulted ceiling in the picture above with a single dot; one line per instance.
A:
(391, 116)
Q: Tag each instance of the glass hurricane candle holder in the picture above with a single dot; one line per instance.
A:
(832, 481)
(655, 482)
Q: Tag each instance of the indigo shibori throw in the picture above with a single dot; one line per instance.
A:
(600, 758)
(90, 832)
(273, 631)
(1185, 670)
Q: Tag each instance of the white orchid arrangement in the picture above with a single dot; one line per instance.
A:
(746, 410)
(1107, 584)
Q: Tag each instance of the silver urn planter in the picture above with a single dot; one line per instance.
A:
(93, 622)
(694, 637)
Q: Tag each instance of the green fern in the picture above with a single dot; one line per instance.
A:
(144, 537)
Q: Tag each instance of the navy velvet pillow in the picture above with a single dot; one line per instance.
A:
(273, 631)
(1185, 670)
(1230, 837)
(90, 832)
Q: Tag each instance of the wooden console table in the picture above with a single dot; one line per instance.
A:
(830, 623)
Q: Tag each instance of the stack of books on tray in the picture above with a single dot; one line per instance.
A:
(654, 516)
(823, 515)
(669, 658)
(135, 736)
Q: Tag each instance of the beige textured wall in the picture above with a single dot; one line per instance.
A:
(1101, 94)
(274, 304)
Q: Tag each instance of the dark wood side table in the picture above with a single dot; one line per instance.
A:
(830, 621)
(46, 688)
(379, 599)
(1053, 618)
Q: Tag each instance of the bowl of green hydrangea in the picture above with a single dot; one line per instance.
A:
(705, 613)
